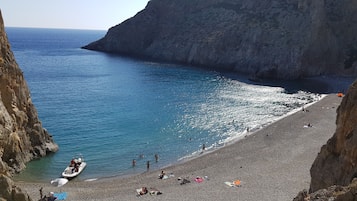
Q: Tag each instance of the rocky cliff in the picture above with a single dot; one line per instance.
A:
(337, 161)
(334, 171)
(266, 38)
(22, 137)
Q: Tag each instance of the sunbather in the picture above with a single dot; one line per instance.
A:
(154, 191)
(183, 181)
(141, 191)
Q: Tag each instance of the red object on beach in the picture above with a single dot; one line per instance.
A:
(198, 180)
(340, 94)
(236, 182)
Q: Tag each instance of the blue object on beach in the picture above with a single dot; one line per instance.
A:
(60, 196)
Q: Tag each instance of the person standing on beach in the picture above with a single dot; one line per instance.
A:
(147, 165)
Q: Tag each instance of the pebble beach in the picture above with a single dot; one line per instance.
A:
(272, 163)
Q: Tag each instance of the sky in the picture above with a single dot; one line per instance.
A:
(69, 14)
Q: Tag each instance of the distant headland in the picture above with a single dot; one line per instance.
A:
(262, 39)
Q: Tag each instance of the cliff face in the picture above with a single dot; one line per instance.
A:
(267, 38)
(336, 164)
(334, 171)
(22, 136)
(332, 193)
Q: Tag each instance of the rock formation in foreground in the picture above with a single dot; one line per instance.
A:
(336, 164)
(22, 137)
(334, 171)
(332, 193)
(266, 38)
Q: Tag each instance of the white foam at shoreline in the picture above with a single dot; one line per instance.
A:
(94, 179)
(245, 133)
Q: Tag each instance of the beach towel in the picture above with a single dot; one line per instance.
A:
(138, 190)
(235, 183)
(60, 196)
(199, 179)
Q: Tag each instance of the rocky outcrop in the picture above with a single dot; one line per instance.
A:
(334, 171)
(22, 137)
(332, 193)
(336, 164)
(267, 38)
(10, 192)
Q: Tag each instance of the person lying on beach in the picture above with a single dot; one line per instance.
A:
(198, 179)
(183, 181)
(307, 125)
(51, 197)
(141, 191)
(154, 191)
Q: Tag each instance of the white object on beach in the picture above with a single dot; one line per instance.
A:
(59, 182)
(235, 183)
(229, 183)
(94, 179)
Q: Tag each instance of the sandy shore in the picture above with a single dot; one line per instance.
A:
(272, 164)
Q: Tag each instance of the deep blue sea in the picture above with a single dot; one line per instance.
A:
(112, 109)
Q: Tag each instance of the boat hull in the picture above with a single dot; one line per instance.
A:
(71, 172)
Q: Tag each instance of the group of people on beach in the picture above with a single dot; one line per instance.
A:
(141, 156)
(163, 175)
(156, 156)
(75, 165)
(51, 196)
(144, 190)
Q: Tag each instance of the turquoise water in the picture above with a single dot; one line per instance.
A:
(113, 109)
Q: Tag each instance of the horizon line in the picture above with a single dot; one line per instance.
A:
(63, 28)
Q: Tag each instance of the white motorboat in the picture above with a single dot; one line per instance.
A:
(76, 167)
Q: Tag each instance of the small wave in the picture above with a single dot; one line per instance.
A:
(93, 179)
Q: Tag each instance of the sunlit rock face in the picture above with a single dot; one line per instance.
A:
(22, 137)
(266, 38)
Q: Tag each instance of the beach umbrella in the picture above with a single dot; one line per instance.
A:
(59, 182)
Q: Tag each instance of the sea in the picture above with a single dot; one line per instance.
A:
(113, 109)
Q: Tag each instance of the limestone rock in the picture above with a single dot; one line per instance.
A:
(22, 137)
(266, 38)
(332, 193)
(336, 164)
(9, 192)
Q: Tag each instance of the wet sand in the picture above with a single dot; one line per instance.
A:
(272, 163)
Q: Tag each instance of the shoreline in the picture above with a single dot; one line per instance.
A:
(245, 134)
(183, 159)
(273, 164)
